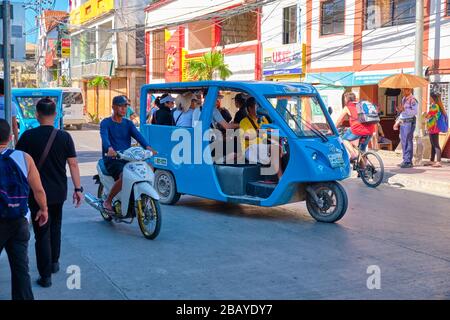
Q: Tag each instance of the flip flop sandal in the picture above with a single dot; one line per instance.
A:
(109, 212)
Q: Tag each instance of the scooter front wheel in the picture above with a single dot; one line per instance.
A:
(100, 190)
(148, 212)
(334, 202)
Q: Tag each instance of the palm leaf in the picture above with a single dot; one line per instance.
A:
(208, 65)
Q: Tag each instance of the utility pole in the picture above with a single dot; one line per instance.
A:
(419, 72)
(7, 57)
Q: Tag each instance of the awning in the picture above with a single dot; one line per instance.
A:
(352, 79)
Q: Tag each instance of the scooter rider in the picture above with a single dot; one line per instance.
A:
(116, 133)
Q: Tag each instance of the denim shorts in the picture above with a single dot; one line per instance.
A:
(350, 136)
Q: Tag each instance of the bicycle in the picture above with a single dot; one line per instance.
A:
(368, 164)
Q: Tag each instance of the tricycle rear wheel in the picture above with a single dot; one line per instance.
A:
(166, 187)
(335, 202)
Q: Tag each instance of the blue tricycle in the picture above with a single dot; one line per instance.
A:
(26, 100)
(297, 127)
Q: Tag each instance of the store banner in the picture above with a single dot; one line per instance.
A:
(283, 60)
(173, 54)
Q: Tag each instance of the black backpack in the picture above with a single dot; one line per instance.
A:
(14, 188)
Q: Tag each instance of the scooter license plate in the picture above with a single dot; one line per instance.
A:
(336, 160)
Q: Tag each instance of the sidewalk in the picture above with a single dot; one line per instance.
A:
(430, 180)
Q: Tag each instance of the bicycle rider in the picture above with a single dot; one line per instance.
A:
(357, 130)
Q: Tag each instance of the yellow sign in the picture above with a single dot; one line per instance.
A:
(65, 52)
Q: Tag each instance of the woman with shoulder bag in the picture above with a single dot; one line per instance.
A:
(436, 118)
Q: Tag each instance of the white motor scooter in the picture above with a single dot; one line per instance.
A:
(138, 198)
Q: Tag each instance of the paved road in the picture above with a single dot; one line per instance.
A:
(211, 250)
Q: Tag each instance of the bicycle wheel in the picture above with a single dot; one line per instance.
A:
(372, 173)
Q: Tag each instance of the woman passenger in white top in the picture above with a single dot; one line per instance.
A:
(185, 105)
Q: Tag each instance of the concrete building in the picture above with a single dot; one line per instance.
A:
(52, 67)
(179, 31)
(108, 40)
(24, 73)
(283, 41)
(353, 44)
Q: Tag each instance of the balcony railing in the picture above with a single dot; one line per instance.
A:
(92, 68)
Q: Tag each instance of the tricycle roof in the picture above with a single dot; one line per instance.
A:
(36, 91)
(261, 87)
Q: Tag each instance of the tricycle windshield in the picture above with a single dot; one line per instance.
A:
(28, 105)
(303, 114)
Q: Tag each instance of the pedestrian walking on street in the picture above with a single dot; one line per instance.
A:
(14, 108)
(51, 149)
(19, 174)
(408, 110)
(435, 112)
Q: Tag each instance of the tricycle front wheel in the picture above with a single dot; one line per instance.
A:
(333, 202)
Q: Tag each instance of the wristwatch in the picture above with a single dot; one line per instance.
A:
(80, 189)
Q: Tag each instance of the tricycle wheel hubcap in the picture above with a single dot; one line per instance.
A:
(164, 185)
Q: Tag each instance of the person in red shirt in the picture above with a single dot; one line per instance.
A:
(357, 130)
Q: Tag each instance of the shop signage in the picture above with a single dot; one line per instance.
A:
(65, 48)
(173, 54)
(283, 60)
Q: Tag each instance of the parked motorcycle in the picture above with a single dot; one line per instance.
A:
(137, 199)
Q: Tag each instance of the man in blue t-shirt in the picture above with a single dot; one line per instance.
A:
(116, 133)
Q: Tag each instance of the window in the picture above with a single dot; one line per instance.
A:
(140, 45)
(70, 98)
(27, 106)
(16, 31)
(290, 25)
(200, 35)
(386, 13)
(91, 45)
(75, 45)
(303, 114)
(447, 9)
(105, 40)
(332, 15)
(158, 50)
(240, 28)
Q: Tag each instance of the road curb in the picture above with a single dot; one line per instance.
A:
(437, 188)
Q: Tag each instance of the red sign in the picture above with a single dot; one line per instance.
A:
(65, 43)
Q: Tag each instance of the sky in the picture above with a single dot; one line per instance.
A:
(30, 19)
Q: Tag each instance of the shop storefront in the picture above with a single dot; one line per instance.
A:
(332, 86)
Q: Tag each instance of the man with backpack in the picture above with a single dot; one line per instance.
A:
(18, 175)
(51, 149)
(363, 119)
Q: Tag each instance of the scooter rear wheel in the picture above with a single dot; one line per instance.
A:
(105, 216)
(148, 213)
